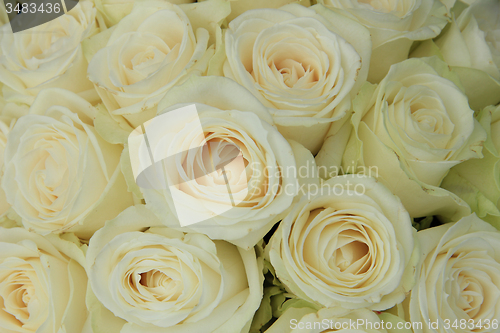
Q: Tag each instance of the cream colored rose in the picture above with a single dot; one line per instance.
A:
(394, 25)
(112, 11)
(42, 283)
(60, 176)
(155, 279)
(477, 181)
(352, 246)
(307, 320)
(458, 278)
(411, 129)
(263, 181)
(304, 64)
(471, 46)
(148, 52)
(49, 55)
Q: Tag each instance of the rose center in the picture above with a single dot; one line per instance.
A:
(17, 293)
(292, 71)
(160, 285)
(352, 256)
(150, 55)
(221, 161)
(471, 294)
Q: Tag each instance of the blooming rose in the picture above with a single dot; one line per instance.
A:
(412, 128)
(477, 181)
(60, 176)
(458, 278)
(471, 46)
(48, 55)
(112, 11)
(351, 245)
(307, 320)
(156, 279)
(305, 64)
(394, 25)
(42, 283)
(263, 185)
(148, 52)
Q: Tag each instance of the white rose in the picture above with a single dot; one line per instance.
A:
(458, 278)
(60, 176)
(394, 25)
(352, 245)
(471, 46)
(42, 283)
(304, 64)
(264, 185)
(148, 52)
(49, 55)
(307, 320)
(112, 11)
(163, 280)
(411, 129)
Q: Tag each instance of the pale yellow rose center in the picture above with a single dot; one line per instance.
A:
(20, 292)
(161, 285)
(471, 294)
(295, 74)
(429, 124)
(351, 255)
(293, 62)
(222, 166)
(143, 55)
(19, 297)
(149, 281)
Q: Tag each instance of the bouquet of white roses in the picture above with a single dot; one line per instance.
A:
(250, 166)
